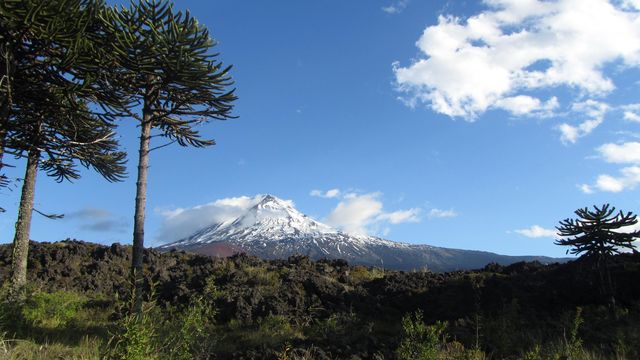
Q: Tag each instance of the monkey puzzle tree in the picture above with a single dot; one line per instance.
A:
(49, 53)
(593, 235)
(59, 135)
(47, 43)
(172, 84)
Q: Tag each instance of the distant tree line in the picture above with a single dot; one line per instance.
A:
(70, 69)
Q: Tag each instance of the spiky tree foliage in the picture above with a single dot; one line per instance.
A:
(45, 44)
(593, 234)
(59, 138)
(167, 68)
(50, 51)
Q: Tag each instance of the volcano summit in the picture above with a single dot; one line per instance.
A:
(274, 229)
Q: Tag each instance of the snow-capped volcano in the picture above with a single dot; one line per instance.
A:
(274, 219)
(273, 228)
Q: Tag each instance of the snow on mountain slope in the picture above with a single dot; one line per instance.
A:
(273, 228)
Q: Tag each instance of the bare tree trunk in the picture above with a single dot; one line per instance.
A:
(23, 225)
(139, 216)
(7, 101)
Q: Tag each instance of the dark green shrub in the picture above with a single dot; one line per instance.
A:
(194, 336)
(136, 336)
(419, 340)
(360, 274)
(52, 310)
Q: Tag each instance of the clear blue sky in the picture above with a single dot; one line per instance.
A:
(475, 125)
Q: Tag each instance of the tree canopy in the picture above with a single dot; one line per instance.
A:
(592, 233)
(165, 69)
(49, 101)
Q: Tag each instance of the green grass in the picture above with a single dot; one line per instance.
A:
(72, 325)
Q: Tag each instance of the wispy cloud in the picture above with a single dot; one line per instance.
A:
(537, 231)
(628, 178)
(396, 7)
(97, 219)
(88, 213)
(364, 214)
(439, 213)
(631, 112)
(108, 225)
(401, 216)
(524, 105)
(593, 113)
(500, 58)
(178, 223)
(625, 153)
(329, 194)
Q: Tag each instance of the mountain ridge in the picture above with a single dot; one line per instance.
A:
(273, 228)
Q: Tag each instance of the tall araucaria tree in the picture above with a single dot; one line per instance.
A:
(58, 138)
(50, 51)
(49, 43)
(173, 83)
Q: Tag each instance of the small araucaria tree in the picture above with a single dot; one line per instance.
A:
(593, 234)
(171, 83)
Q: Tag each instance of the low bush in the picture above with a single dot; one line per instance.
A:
(52, 310)
(419, 340)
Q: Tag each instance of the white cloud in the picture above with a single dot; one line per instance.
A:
(570, 133)
(329, 194)
(629, 177)
(439, 213)
(585, 188)
(182, 222)
(631, 116)
(396, 7)
(626, 153)
(497, 57)
(523, 105)
(537, 231)
(593, 110)
(609, 183)
(354, 213)
(361, 213)
(631, 112)
(401, 216)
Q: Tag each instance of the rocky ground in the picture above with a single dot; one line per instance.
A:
(248, 290)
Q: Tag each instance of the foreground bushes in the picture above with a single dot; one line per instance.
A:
(72, 326)
(243, 307)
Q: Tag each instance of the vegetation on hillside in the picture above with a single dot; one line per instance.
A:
(244, 307)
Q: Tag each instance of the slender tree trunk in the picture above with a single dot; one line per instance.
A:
(7, 101)
(23, 225)
(610, 289)
(138, 221)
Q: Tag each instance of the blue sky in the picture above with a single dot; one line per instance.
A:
(475, 125)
